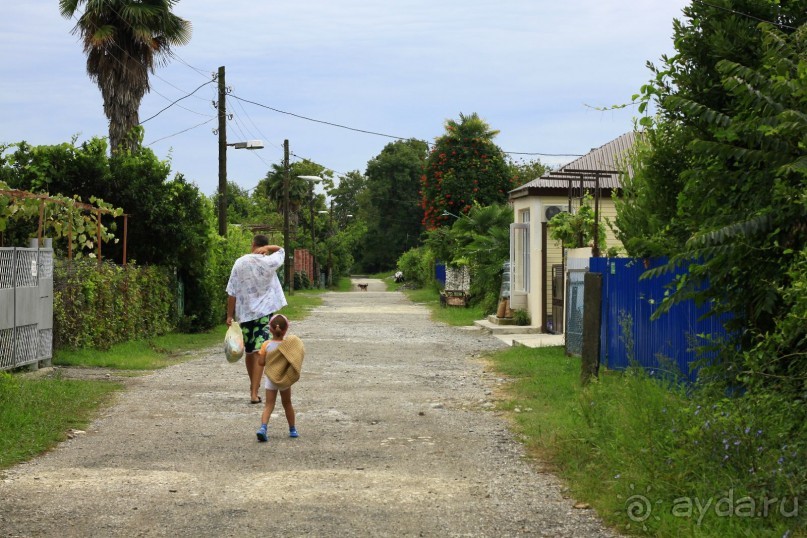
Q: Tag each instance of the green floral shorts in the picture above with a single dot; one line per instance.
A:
(256, 332)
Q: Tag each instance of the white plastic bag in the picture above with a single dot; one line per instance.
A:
(233, 343)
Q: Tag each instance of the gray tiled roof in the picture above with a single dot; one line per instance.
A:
(606, 158)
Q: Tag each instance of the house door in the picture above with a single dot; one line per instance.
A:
(557, 299)
(519, 264)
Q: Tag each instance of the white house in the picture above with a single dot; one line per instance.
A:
(537, 263)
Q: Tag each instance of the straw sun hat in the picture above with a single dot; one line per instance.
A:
(283, 364)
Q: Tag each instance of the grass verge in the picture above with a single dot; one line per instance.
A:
(641, 452)
(35, 414)
(451, 315)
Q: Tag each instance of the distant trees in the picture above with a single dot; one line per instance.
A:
(389, 205)
(124, 40)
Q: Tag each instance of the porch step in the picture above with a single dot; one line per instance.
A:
(499, 328)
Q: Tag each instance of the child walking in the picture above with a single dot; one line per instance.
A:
(278, 326)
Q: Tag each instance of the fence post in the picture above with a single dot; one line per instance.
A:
(592, 316)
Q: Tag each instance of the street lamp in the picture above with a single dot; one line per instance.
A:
(249, 144)
(312, 180)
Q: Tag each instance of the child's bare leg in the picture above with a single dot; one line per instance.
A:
(285, 399)
(269, 406)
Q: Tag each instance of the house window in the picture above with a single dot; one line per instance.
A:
(520, 255)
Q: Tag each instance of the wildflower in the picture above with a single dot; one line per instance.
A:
(617, 476)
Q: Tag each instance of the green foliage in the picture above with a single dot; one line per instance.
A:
(464, 168)
(222, 256)
(647, 222)
(577, 230)
(521, 317)
(482, 239)
(417, 265)
(525, 171)
(389, 205)
(69, 221)
(170, 223)
(97, 305)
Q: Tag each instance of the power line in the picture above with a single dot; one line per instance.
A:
(176, 101)
(747, 15)
(389, 135)
(182, 131)
(319, 121)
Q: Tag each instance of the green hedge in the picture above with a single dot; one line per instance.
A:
(97, 305)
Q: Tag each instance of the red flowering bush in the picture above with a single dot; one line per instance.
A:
(464, 167)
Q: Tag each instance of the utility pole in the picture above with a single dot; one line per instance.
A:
(315, 276)
(287, 273)
(222, 155)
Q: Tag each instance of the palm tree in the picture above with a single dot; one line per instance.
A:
(123, 40)
(469, 128)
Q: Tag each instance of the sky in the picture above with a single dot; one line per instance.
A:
(538, 71)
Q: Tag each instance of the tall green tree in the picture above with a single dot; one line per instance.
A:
(463, 168)
(721, 178)
(345, 196)
(124, 40)
(654, 217)
(389, 204)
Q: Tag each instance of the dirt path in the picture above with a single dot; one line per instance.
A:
(397, 438)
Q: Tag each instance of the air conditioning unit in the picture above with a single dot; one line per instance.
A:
(552, 210)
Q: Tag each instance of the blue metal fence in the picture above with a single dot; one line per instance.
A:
(667, 344)
(440, 273)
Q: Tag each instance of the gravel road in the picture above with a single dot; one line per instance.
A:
(398, 437)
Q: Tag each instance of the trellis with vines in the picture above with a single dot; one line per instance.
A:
(61, 217)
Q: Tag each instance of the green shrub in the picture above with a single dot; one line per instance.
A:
(521, 317)
(417, 265)
(97, 305)
(213, 279)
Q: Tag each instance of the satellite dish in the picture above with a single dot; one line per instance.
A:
(551, 211)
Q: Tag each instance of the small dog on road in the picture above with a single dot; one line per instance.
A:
(362, 287)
